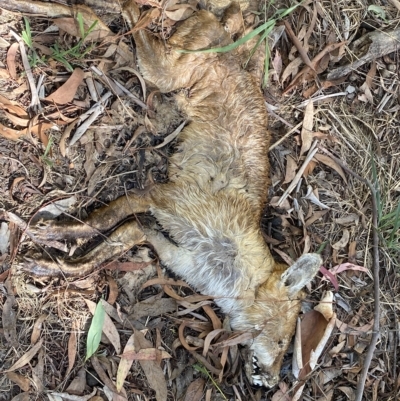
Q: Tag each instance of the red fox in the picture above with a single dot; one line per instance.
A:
(212, 205)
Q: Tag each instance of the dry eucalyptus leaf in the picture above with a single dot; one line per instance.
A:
(66, 92)
(343, 241)
(195, 390)
(291, 167)
(152, 370)
(307, 129)
(332, 164)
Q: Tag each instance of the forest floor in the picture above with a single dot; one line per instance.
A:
(334, 104)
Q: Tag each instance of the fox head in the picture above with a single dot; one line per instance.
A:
(272, 317)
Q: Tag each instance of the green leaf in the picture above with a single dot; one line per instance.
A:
(378, 10)
(95, 330)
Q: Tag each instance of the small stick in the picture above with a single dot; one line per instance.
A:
(375, 265)
(280, 140)
(298, 45)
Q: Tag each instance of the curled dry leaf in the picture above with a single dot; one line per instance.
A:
(66, 92)
(343, 241)
(313, 327)
(325, 305)
(112, 290)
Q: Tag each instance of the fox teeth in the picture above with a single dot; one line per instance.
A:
(257, 380)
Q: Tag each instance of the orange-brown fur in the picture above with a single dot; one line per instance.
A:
(212, 204)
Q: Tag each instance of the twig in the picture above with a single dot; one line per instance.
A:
(298, 45)
(375, 266)
(280, 140)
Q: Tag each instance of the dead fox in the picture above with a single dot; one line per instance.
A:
(211, 206)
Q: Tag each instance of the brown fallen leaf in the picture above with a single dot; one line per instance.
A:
(78, 384)
(156, 307)
(282, 394)
(72, 348)
(313, 327)
(21, 381)
(26, 358)
(125, 363)
(145, 354)
(306, 131)
(349, 219)
(152, 370)
(291, 167)
(343, 241)
(126, 266)
(195, 390)
(11, 54)
(217, 324)
(66, 92)
(11, 134)
(350, 329)
(70, 26)
(180, 12)
(112, 290)
(37, 328)
(330, 163)
(9, 317)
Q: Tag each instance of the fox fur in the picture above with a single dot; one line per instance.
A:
(211, 207)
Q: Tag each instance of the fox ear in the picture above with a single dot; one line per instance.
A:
(301, 272)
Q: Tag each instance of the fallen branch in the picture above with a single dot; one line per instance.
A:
(375, 267)
(374, 45)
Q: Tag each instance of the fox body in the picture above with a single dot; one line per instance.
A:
(211, 206)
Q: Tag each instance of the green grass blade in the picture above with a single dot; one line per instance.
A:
(233, 45)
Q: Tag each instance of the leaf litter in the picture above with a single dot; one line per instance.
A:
(351, 130)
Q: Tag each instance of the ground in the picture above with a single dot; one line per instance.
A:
(317, 99)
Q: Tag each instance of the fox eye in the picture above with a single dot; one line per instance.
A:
(280, 343)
